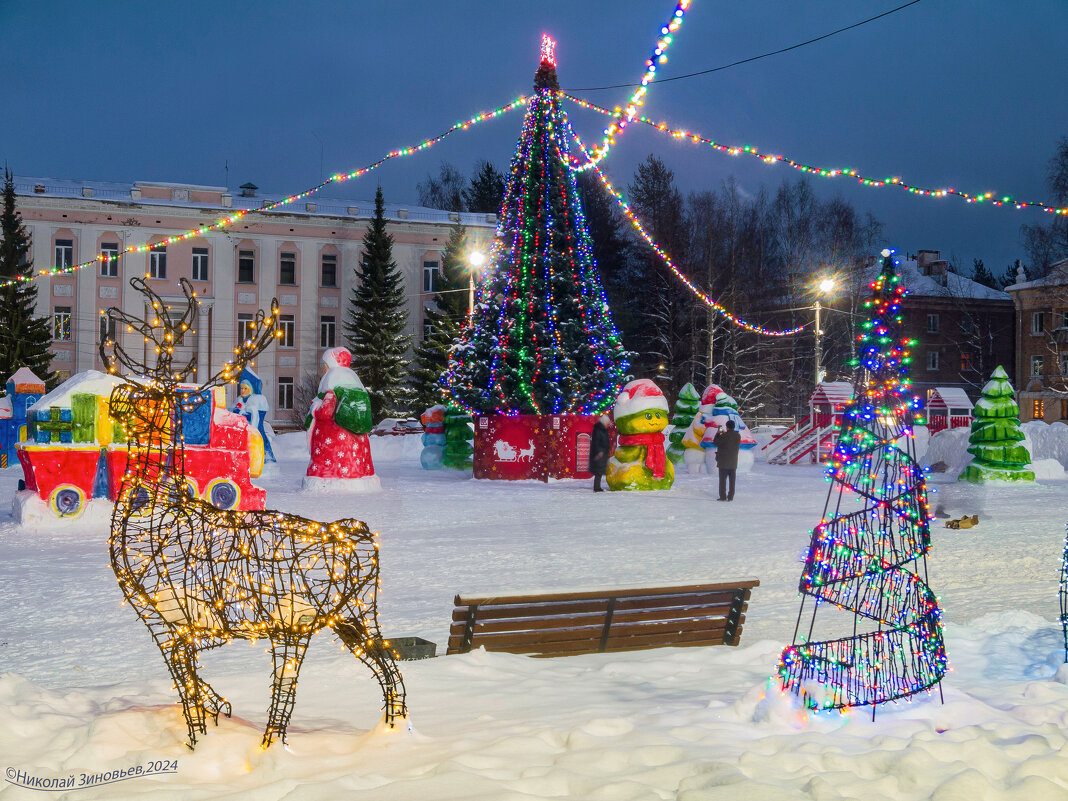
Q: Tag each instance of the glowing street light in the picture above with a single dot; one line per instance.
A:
(825, 286)
(475, 261)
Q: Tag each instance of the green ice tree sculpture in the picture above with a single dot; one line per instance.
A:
(686, 408)
(995, 441)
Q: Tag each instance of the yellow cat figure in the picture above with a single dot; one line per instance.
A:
(640, 461)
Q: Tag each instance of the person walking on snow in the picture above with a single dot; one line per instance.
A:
(727, 442)
(600, 445)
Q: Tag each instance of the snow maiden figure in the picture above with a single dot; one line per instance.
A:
(252, 405)
(338, 422)
(640, 461)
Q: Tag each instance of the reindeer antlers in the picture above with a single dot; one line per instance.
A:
(164, 333)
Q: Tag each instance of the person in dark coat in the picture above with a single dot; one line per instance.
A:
(727, 442)
(600, 449)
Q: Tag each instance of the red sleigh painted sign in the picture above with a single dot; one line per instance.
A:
(533, 446)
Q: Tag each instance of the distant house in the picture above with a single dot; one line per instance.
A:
(1042, 344)
(963, 329)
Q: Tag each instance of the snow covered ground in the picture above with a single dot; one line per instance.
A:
(84, 690)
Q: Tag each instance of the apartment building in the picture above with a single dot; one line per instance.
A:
(304, 254)
(1041, 377)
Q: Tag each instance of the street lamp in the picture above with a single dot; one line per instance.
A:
(824, 286)
(475, 260)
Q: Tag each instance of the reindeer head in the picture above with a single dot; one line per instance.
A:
(163, 333)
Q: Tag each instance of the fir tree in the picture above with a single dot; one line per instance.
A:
(983, 276)
(445, 320)
(542, 339)
(24, 338)
(996, 436)
(486, 191)
(686, 408)
(377, 320)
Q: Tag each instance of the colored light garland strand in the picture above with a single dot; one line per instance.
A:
(989, 198)
(666, 259)
(541, 339)
(624, 116)
(865, 561)
(238, 215)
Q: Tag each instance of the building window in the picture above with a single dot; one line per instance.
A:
(1038, 408)
(932, 323)
(327, 332)
(285, 393)
(288, 326)
(1038, 322)
(61, 324)
(109, 263)
(244, 326)
(1064, 364)
(157, 263)
(932, 360)
(287, 269)
(246, 267)
(968, 326)
(965, 361)
(1064, 409)
(64, 253)
(200, 264)
(431, 271)
(1064, 319)
(1036, 365)
(107, 328)
(428, 330)
(329, 271)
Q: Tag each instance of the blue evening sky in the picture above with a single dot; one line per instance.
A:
(964, 93)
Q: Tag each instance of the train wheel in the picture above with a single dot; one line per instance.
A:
(139, 498)
(222, 493)
(67, 500)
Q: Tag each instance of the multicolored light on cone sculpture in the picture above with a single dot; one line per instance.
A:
(541, 339)
(865, 555)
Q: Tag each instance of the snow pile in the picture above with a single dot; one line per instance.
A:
(1046, 442)
(84, 690)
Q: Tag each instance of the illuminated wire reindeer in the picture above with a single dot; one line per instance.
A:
(200, 577)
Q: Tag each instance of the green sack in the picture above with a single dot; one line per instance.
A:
(353, 412)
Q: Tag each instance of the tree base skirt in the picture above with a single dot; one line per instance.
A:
(529, 446)
(329, 486)
(984, 475)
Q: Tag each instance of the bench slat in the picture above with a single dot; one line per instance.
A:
(564, 608)
(467, 600)
(620, 618)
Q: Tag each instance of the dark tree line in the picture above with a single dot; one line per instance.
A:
(758, 256)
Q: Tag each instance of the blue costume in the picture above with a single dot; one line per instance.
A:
(253, 407)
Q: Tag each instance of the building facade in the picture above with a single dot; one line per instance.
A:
(1041, 376)
(304, 254)
(964, 329)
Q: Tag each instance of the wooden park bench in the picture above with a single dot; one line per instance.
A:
(596, 621)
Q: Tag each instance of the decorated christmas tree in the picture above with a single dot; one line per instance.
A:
(996, 436)
(686, 407)
(866, 561)
(542, 340)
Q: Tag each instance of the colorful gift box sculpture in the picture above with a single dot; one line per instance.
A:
(23, 390)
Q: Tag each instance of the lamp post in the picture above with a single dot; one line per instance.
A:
(475, 260)
(826, 285)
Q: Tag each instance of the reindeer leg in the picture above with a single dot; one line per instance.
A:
(288, 653)
(181, 662)
(365, 642)
(212, 702)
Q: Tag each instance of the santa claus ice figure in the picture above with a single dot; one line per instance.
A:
(338, 422)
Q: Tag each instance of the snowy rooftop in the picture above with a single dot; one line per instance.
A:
(1057, 276)
(957, 286)
(121, 192)
(954, 397)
